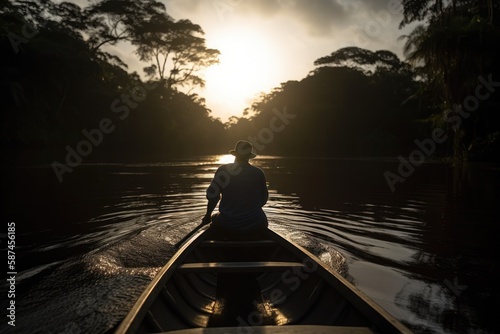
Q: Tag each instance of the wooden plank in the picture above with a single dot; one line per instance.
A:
(224, 244)
(233, 267)
(292, 329)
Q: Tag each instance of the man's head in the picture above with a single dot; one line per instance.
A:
(243, 150)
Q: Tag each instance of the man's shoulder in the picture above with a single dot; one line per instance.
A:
(231, 168)
(236, 168)
(256, 170)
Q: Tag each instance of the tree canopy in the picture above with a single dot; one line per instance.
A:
(61, 79)
(338, 110)
(452, 51)
(62, 82)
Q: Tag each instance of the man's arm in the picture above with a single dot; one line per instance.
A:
(213, 196)
(212, 203)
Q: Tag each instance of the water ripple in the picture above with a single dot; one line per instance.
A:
(397, 249)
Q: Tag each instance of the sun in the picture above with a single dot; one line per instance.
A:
(247, 67)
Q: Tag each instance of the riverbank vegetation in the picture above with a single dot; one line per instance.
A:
(60, 81)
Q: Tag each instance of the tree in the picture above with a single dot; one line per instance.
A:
(339, 109)
(181, 50)
(363, 59)
(112, 21)
(176, 49)
(59, 82)
(428, 10)
(420, 10)
(452, 50)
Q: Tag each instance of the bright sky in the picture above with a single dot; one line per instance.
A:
(266, 42)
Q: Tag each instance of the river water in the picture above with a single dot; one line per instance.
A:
(87, 247)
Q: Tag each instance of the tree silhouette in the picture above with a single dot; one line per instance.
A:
(452, 51)
(181, 50)
(363, 59)
(111, 21)
(58, 80)
(353, 107)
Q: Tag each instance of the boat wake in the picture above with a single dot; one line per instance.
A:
(328, 254)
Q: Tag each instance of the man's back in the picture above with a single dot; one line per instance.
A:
(245, 191)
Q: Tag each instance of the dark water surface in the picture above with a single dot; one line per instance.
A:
(87, 247)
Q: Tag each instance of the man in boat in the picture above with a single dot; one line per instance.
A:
(244, 192)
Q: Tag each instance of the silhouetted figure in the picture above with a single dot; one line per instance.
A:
(244, 192)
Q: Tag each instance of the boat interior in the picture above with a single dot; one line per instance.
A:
(249, 283)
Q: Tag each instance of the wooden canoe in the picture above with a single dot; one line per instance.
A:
(269, 285)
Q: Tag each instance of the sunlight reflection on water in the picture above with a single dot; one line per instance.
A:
(225, 159)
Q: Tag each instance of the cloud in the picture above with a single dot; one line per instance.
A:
(318, 17)
(321, 17)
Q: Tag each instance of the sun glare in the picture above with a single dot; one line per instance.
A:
(247, 67)
(225, 159)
